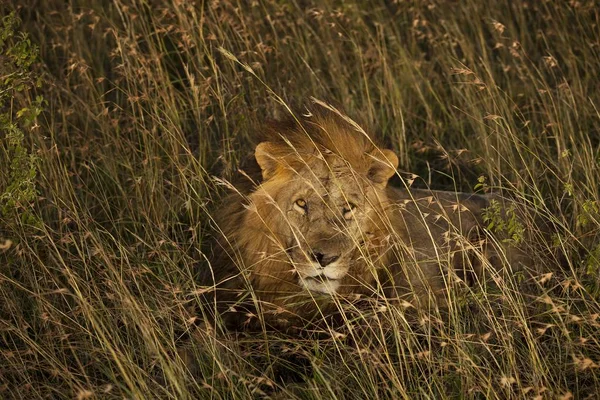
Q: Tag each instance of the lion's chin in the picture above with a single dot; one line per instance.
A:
(320, 284)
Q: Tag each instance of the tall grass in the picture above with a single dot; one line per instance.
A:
(98, 296)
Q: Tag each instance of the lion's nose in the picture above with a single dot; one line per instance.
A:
(323, 259)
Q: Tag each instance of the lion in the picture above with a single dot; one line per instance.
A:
(319, 222)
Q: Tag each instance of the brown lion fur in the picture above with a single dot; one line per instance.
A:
(319, 225)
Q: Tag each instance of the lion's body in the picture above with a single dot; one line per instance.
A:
(322, 223)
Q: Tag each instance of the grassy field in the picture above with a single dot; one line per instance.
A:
(112, 131)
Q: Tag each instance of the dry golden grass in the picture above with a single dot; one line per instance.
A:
(145, 101)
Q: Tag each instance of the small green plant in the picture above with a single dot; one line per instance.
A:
(589, 213)
(592, 261)
(506, 225)
(481, 184)
(17, 54)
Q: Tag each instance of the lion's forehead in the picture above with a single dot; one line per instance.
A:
(332, 176)
(333, 165)
(338, 188)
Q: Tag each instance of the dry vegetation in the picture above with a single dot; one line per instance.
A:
(106, 190)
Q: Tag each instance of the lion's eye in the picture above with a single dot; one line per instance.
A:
(301, 206)
(348, 211)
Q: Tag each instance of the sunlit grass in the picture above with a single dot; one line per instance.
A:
(101, 299)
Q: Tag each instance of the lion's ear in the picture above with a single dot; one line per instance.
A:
(385, 163)
(265, 154)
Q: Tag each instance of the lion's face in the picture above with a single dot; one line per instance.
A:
(319, 212)
(324, 219)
